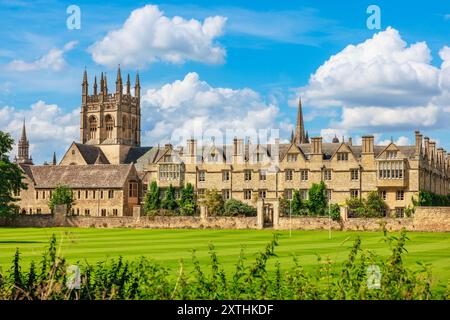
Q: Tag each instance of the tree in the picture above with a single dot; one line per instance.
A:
(152, 202)
(233, 207)
(297, 204)
(214, 202)
(10, 177)
(61, 195)
(169, 201)
(187, 200)
(318, 198)
(285, 205)
(375, 205)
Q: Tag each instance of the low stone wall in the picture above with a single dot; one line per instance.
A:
(354, 224)
(157, 222)
(432, 219)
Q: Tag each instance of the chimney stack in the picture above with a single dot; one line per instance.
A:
(418, 144)
(316, 145)
(367, 144)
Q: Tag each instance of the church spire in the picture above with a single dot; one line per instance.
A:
(137, 86)
(300, 128)
(128, 85)
(54, 159)
(119, 86)
(85, 87)
(95, 85)
(23, 148)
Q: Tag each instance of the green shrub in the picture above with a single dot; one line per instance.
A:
(169, 201)
(214, 202)
(235, 207)
(317, 200)
(152, 202)
(335, 212)
(187, 202)
(61, 195)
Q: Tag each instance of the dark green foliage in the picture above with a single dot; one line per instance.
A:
(169, 201)
(214, 202)
(317, 201)
(233, 207)
(61, 195)
(298, 207)
(373, 206)
(144, 279)
(187, 202)
(335, 212)
(152, 202)
(426, 199)
(10, 177)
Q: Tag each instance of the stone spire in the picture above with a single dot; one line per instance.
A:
(102, 85)
(95, 85)
(307, 137)
(119, 86)
(23, 148)
(137, 86)
(300, 128)
(105, 84)
(128, 85)
(85, 87)
(292, 136)
(54, 159)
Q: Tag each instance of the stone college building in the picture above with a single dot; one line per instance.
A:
(109, 171)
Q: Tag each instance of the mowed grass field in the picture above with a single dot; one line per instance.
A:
(169, 246)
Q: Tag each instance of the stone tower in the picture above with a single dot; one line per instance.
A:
(300, 136)
(110, 118)
(23, 148)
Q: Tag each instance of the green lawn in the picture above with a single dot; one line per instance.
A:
(168, 246)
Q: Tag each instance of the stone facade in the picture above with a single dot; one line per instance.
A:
(110, 127)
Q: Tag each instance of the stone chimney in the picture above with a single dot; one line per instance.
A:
(432, 146)
(367, 144)
(316, 145)
(440, 156)
(427, 146)
(350, 141)
(238, 150)
(191, 150)
(418, 151)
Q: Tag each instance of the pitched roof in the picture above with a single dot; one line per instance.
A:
(90, 153)
(135, 153)
(80, 176)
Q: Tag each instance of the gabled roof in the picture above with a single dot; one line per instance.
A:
(135, 153)
(80, 176)
(91, 153)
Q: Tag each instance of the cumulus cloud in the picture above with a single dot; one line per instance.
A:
(49, 128)
(148, 36)
(382, 70)
(53, 60)
(192, 107)
(383, 83)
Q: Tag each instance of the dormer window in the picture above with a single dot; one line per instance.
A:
(167, 158)
(342, 156)
(292, 157)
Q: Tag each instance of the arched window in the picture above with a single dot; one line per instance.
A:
(109, 122)
(92, 127)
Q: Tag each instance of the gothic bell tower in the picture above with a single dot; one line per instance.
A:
(110, 118)
(23, 148)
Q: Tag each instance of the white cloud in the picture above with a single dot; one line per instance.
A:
(49, 128)
(53, 60)
(329, 133)
(191, 107)
(148, 36)
(401, 141)
(382, 83)
(382, 70)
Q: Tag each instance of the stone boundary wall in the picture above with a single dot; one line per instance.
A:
(432, 219)
(435, 219)
(156, 222)
(353, 224)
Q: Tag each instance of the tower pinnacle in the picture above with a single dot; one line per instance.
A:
(23, 148)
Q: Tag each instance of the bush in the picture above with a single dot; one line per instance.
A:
(187, 201)
(335, 212)
(214, 202)
(426, 199)
(235, 207)
(169, 201)
(373, 206)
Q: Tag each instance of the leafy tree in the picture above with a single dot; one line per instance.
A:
(214, 202)
(285, 205)
(187, 200)
(317, 198)
(169, 201)
(356, 207)
(335, 212)
(233, 207)
(152, 202)
(297, 204)
(10, 177)
(61, 195)
(375, 205)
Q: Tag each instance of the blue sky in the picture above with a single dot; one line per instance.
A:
(249, 60)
